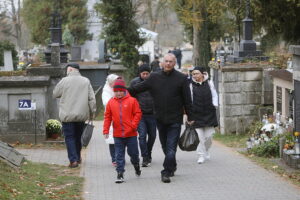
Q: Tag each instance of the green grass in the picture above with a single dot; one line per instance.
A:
(234, 141)
(39, 181)
(100, 116)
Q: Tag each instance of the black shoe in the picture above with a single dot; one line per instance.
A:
(173, 172)
(137, 170)
(120, 178)
(146, 162)
(165, 178)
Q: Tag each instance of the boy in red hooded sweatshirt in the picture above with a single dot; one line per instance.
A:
(125, 113)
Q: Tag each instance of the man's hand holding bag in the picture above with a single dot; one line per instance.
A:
(189, 140)
(87, 133)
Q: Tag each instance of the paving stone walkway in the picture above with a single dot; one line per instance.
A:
(227, 176)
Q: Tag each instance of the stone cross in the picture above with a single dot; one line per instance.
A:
(248, 8)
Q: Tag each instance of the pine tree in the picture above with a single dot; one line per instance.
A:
(121, 31)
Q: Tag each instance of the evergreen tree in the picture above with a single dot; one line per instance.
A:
(37, 15)
(278, 18)
(121, 31)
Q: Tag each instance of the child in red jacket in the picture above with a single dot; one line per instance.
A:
(125, 113)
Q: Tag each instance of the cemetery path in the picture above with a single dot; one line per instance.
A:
(227, 176)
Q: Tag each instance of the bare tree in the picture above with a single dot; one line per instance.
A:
(10, 19)
(151, 11)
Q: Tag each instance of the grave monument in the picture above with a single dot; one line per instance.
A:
(247, 45)
(56, 36)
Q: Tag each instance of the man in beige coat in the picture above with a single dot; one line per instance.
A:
(77, 104)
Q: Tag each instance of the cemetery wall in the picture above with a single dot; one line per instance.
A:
(242, 90)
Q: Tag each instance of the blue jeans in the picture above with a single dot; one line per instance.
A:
(112, 152)
(72, 132)
(169, 136)
(132, 150)
(147, 126)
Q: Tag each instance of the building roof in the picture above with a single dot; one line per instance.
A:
(282, 74)
(145, 33)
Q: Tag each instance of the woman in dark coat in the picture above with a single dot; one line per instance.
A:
(205, 101)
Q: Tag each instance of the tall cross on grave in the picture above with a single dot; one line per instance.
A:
(56, 47)
(248, 8)
(55, 29)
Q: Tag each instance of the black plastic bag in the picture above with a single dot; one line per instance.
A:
(189, 140)
(87, 133)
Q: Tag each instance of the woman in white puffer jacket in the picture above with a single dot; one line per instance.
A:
(107, 94)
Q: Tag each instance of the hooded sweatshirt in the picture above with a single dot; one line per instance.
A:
(125, 113)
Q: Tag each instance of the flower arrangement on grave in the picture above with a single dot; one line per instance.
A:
(264, 140)
(53, 128)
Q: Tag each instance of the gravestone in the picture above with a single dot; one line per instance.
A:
(8, 61)
(10, 155)
(247, 45)
(56, 36)
(75, 53)
(102, 51)
(55, 54)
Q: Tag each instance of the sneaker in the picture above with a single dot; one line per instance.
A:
(165, 178)
(73, 164)
(114, 164)
(201, 160)
(207, 156)
(120, 178)
(146, 162)
(137, 170)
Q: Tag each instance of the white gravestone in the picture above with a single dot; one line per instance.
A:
(8, 61)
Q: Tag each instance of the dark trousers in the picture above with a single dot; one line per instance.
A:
(112, 152)
(147, 127)
(169, 136)
(72, 132)
(132, 150)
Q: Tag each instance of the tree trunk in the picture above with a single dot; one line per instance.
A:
(201, 48)
(16, 22)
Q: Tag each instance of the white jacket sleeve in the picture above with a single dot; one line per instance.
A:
(215, 98)
(106, 95)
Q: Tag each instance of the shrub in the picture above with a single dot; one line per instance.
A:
(268, 149)
(53, 126)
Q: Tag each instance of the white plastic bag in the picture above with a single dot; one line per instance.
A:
(110, 139)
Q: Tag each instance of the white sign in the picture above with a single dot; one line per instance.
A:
(33, 106)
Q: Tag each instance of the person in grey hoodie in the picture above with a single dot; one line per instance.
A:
(77, 104)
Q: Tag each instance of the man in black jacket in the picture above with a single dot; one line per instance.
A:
(147, 125)
(155, 64)
(170, 91)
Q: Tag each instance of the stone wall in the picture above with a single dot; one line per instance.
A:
(242, 89)
(295, 51)
(18, 125)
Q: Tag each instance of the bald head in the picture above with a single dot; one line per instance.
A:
(169, 62)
